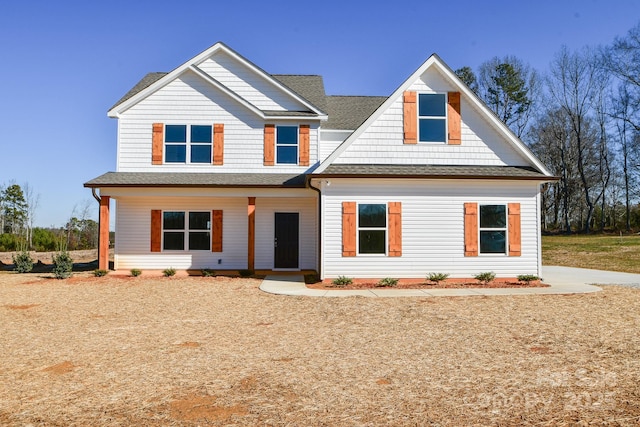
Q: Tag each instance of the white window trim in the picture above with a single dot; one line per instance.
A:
(297, 145)
(505, 229)
(185, 231)
(445, 118)
(385, 228)
(187, 144)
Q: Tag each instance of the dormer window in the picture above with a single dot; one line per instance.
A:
(432, 117)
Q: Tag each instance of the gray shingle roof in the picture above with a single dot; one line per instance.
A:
(172, 179)
(345, 112)
(146, 81)
(434, 171)
(310, 87)
(348, 112)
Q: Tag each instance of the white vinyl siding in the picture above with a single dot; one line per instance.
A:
(330, 140)
(432, 227)
(190, 99)
(382, 142)
(246, 83)
(133, 234)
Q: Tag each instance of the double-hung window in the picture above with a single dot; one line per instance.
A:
(186, 230)
(432, 117)
(287, 145)
(188, 143)
(493, 229)
(372, 228)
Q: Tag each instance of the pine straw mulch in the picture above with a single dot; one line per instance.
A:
(217, 351)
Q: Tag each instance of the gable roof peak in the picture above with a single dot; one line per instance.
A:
(158, 80)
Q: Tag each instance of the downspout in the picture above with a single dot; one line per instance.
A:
(319, 249)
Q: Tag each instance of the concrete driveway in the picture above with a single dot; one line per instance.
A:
(570, 275)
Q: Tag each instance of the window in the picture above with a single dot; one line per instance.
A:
(372, 228)
(188, 143)
(432, 117)
(493, 229)
(287, 145)
(192, 228)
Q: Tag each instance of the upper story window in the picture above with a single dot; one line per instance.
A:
(372, 228)
(188, 143)
(493, 229)
(432, 117)
(287, 145)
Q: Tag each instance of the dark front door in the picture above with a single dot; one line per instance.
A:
(286, 240)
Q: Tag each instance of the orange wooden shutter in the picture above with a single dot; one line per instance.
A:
(514, 230)
(269, 144)
(348, 228)
(218, 144)
(304, 145)
(395, 229)
(453, 112)
(410, 118)
(156, 230)
(216, 231)
(470, 229)
(157, 141)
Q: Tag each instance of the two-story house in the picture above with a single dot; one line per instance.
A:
(221, 165)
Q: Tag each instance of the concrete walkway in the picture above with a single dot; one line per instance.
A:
(562, 280)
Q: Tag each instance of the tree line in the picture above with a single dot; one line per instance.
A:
(17, 231)
(582, 119)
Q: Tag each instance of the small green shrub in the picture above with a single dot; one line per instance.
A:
(437, 277)
(23, 262)
(99, 272)
(486, 277)
(207, 272)
(168, 272)
(387, 282)
(135, 272)
(342, 281)
(62, 265)
(246, 273)
(312, 278)
(527, 278)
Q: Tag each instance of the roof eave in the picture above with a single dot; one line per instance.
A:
(434, 176)
(90, 185)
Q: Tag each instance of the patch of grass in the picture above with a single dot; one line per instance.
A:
(598, 251)
(135, 272)
(168, 272)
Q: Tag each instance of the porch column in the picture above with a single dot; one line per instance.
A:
(251, 244)
(103, 236)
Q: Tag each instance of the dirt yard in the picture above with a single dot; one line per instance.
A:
(217, 351)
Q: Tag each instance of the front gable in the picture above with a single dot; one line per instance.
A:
(229, 72)
(433, 119)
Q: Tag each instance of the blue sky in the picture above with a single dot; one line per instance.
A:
(65, 63)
